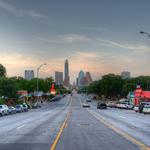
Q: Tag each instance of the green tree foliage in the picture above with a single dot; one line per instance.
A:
(127, 87)
(2, 71)
(10, 86)
(113, 85)
(21, 83)
(7, 87)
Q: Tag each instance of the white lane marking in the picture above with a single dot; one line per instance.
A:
(122, 117)
(21, 126)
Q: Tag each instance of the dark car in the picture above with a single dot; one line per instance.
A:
(25, 107)
(12, 110)
(141, 106)
(101, 106)
(56, 98)
(88, 100)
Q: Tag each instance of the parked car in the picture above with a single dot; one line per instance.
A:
(146, 109)
(112, 105)
(136, 108)
(12, 110)
(123, 105)
(4, 110)
(141, 106)
(25, 107)
(130, 106)
(85, 105)
(36, 105)
(56, 98)
(101, 105)
(19, 108)
(88, 100)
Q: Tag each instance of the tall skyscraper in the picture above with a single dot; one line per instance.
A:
(80, 78)
(29, 74)
(83, 79)
(59, 78)
(66, 74)
(77, 81)
(88, 78)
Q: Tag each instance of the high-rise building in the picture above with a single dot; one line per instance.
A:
(126, 75)
(88, 78)
(66, 74)
(83, 79)
(77, 82)
(59, 78)
(80, 78)
(29, 74)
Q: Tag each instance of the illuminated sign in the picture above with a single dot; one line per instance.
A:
(52, 90)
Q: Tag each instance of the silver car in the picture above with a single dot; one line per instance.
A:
(19, 108)
(4, 110)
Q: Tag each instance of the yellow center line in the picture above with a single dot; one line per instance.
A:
(117, 130)
(63, 126)
(66, 125)
(53, 147)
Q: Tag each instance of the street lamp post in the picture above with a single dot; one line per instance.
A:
(147, 34)
(38, 77)
(147, 85)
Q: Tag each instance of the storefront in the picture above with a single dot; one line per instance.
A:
(141, 96)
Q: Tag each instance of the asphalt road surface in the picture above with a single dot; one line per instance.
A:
(66, 125)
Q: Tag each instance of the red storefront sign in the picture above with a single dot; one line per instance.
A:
(140, 94)
(52, 89)
(22, 92)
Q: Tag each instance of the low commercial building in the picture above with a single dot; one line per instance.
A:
(29, 74)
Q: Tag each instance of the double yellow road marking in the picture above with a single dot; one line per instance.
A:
(122, 133)
(63, 126)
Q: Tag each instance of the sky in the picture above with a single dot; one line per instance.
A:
(99, 36)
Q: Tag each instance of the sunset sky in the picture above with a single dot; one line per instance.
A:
(100, 36)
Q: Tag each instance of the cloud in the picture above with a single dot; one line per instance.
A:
(66, 39)
(137, 47)
(86, 55)
(18, 12)
(99, 28)
(16, 63)
(84, 60)
(102, 29)
(17, 60)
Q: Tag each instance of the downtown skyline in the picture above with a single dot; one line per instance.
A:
(104, 40)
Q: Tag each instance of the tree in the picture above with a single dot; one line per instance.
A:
(2, 71)
(95, 87)
(21, 83)
(128, 87)
(7, 87)
(111, 85)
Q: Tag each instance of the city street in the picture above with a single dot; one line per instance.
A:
(74, 75)
(66, 125)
